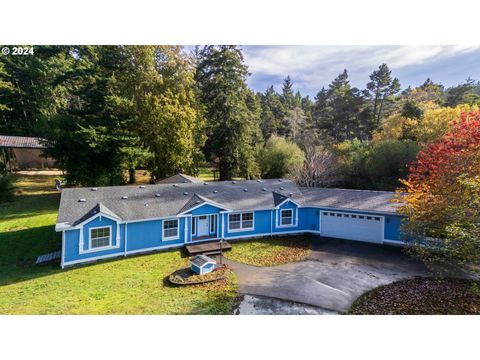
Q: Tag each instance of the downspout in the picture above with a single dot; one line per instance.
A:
(63, 250)
(126, 236)
(271, 225)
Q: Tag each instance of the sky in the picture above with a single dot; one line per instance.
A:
(311, 67)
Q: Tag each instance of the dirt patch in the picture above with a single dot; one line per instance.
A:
(421, 296)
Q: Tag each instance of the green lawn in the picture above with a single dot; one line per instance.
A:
(270, 251)
(134, 285)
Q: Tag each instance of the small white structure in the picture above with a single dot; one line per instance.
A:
(202, 264)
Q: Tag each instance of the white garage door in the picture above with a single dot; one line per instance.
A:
(350, 226)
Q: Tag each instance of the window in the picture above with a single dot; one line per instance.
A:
(100, 237)
(234, 221)
(332, 214)
(325, 213)
(213, 223)
(339, 215)
(345, 215)
(361, 217)
(170, 229)
(194, 221)
(286, 217)
(247, 221)
(377, 219)
(369, 218)
(242, 221)
(354, 216)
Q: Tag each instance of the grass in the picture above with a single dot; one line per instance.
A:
(421, 296)
(134, 285)
(270, 251)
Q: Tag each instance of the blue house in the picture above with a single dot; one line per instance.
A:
(106, 222)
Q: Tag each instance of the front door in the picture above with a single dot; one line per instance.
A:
(202, 226)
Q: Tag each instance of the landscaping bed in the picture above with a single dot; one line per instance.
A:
(186, 276)
(270, 251)
(421, 296)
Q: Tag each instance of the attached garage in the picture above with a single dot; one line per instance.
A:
(352, 226)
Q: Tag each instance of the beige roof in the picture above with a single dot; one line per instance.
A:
(179, 179)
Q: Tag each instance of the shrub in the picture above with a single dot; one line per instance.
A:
(279, 157)
(6, 187)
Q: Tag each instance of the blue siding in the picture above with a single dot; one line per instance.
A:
(148, 234)
(72, 239)
(205, 210)
(261, 225)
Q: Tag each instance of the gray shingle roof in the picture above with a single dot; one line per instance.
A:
(179, 179)
(98, 208)
(201, 260)
(20, 142)
(142, 202)
(377, 201)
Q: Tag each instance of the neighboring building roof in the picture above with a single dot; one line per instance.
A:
(179, 179)
(162, 200)
(202, 260)
(367, 200)
(21, 142)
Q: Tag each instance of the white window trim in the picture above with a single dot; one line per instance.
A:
(102, 248)
(292, 224)
(241, 221)
(170, 238)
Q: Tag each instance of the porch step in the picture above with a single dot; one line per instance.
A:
(207, 248)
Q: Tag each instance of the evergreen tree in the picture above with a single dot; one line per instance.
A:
(91, 136)
(37, 88)
(272, 112)
(6, 88)
(380, 89)
(231, 124)
(288, 97)
(465, 93)
(341, 112)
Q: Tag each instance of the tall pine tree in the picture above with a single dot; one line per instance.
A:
(231, 124)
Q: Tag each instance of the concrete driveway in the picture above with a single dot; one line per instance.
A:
(330, 278)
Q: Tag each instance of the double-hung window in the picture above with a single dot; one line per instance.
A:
(243, 221)
(170, 229)
(286, 217)
(100, 237)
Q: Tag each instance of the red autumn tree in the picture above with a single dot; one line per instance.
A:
(441, 195)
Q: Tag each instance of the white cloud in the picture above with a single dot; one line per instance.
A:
(314, 66)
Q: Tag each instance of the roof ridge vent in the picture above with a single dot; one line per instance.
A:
(246, 190)
(215, 191)
(94, 189)
(291, 194)
(185, 193)
(157, 195)
(259, 181)
(175, 185)
(82, 200)
(142, 186)
(205, 183)
(234, 182)
(282, 188)
(124, 197)
(264, 189)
